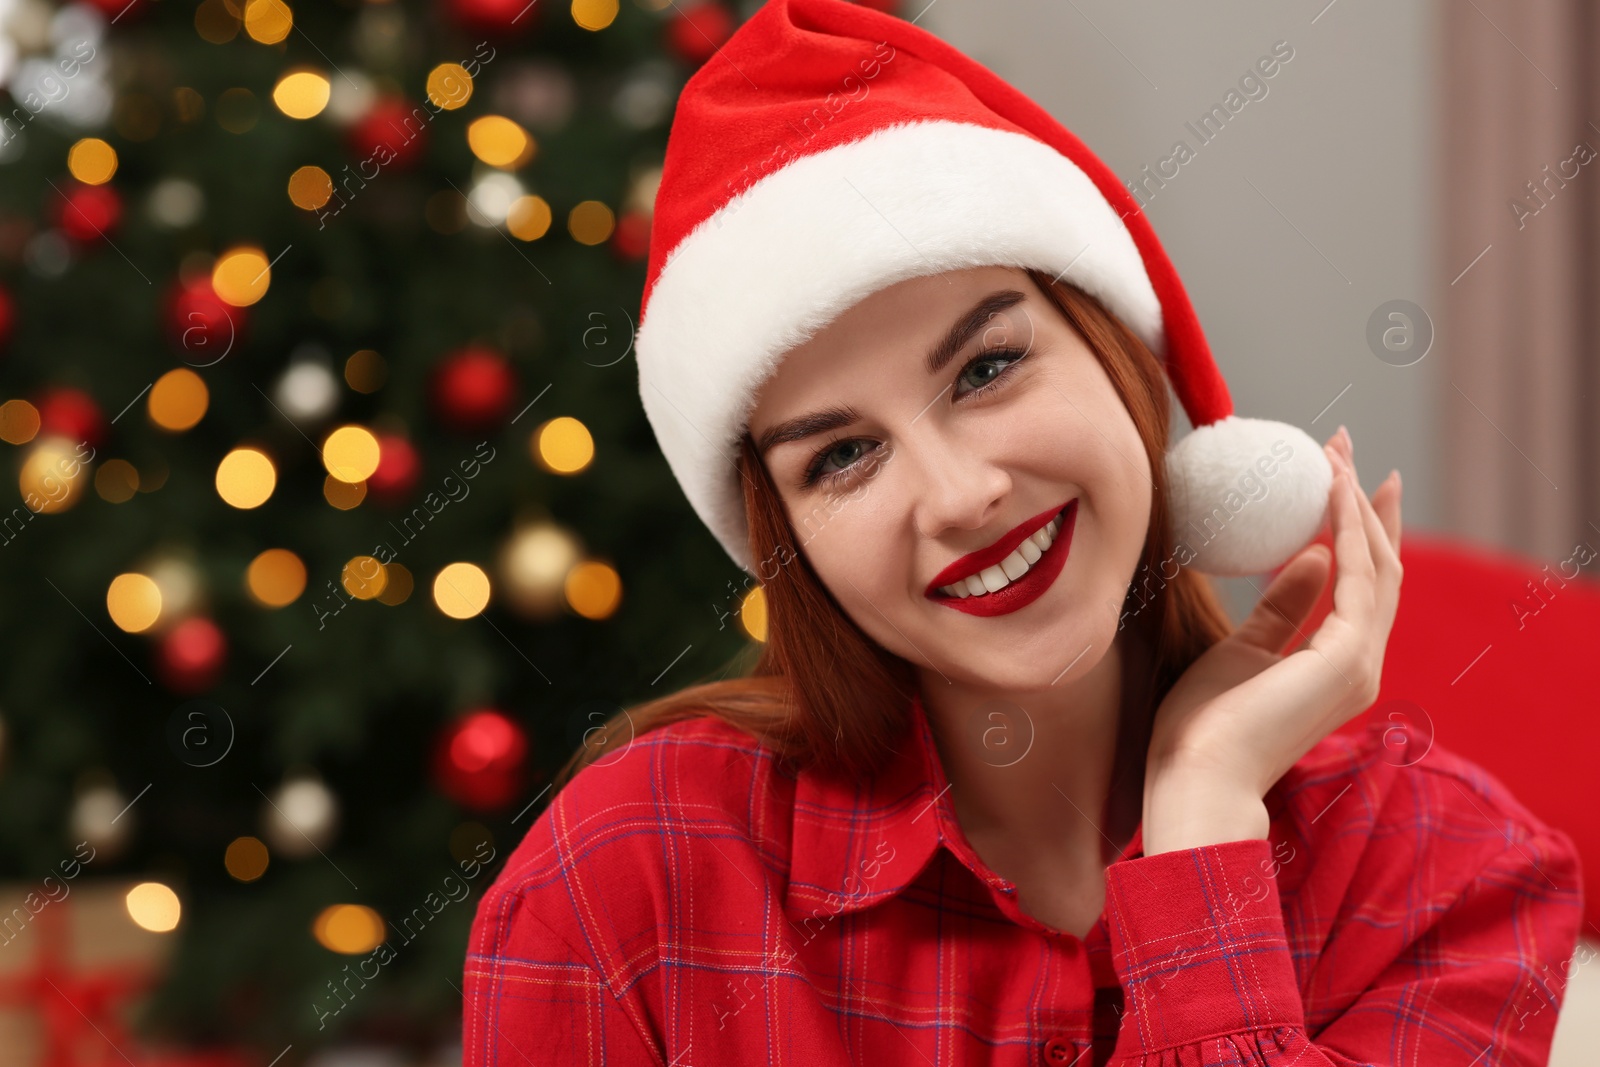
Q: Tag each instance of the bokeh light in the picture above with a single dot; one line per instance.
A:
(499, 142)
(154, 907)
(275, 578)
(350, 453)
(461, 590)
(563, 445)
(133, 601)
(350, 929)
(178, 400)
(246, 858)
(241, 276)
(246, 478)
(593, 589)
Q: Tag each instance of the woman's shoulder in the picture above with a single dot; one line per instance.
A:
(1392, 808)
(609, 855)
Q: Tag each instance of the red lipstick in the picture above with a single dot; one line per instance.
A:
(1024, 590)
(973, 562)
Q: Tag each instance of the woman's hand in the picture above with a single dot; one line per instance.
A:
(1242, 714)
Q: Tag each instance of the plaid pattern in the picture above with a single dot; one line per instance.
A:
(688, 904)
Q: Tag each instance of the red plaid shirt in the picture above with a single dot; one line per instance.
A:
(689, 904)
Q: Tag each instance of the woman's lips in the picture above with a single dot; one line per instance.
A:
(973, 562)
(1024, 590)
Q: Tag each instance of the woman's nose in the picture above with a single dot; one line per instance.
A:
(954, 485)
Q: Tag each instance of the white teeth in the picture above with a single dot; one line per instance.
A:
(993, 579)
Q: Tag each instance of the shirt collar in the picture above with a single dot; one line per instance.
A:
(855, 843)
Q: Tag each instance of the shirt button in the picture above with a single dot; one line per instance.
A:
(1058, 1050)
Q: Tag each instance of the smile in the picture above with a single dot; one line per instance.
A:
(1011, 573)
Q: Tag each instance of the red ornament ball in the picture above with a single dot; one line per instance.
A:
(71, 413)
(191, 656)
(694, 34)
(473, 388)
(631, 238)
(480, 760)
(88, 213)
(501, 18)
(399, 469)
(388, 135)
(8, 316)
(200, 327)
(124, 11)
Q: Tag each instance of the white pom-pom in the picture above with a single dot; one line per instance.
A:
(1246, 495)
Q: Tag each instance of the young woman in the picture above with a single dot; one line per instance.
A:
(1005, 785)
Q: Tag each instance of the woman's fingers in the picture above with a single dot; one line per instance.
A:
(1380, 542)
(1355, 577)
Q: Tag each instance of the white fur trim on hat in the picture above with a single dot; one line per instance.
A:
(1246, 494)
(807, 242)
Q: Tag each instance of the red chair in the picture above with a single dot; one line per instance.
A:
(1499, 658)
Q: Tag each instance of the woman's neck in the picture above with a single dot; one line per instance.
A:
(1054, 775)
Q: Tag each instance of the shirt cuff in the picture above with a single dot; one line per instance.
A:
(1197, 941)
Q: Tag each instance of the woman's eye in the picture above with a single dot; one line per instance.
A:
(845, 453)
(984, 370)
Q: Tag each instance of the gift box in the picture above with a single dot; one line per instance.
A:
(73, 968)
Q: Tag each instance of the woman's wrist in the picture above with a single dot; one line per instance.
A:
(1186, 808)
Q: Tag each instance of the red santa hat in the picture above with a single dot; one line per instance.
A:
(829, 150)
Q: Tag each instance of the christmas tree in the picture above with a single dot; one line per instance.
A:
(334, 520)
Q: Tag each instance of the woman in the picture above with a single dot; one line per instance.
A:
(1005, 785)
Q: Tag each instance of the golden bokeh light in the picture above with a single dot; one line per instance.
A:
(350, 929)
(350, 453)
(301, 94)
(591, 222)
(116, 481)
(461, 590)
(241, 276)
(53, 476)
(593, 589)
(246, 858)
(449, 86)
(499, 142)
(343, 495)
(365, 371)
(154, 907)
(19, 422)
(529, 218)
(216, 21)
(310, 188)
(753, 613)
(398, 589)
(246, 478)
(364, 577)
(92, 161)
(267, 21)
(275, 578)
(133, 601)
(178, 400)
(594, 14)
(563, 445)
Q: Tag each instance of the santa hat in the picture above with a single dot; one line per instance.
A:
(827, 151)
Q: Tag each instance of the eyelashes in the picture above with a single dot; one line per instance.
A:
(814, 474)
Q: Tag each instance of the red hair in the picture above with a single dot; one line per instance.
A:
(822, 694)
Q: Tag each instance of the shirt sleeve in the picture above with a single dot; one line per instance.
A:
(531, 996)
(1199, 945)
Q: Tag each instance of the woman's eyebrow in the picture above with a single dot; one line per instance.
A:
(954, 340)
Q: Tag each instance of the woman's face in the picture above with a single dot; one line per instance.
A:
(920, 435)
